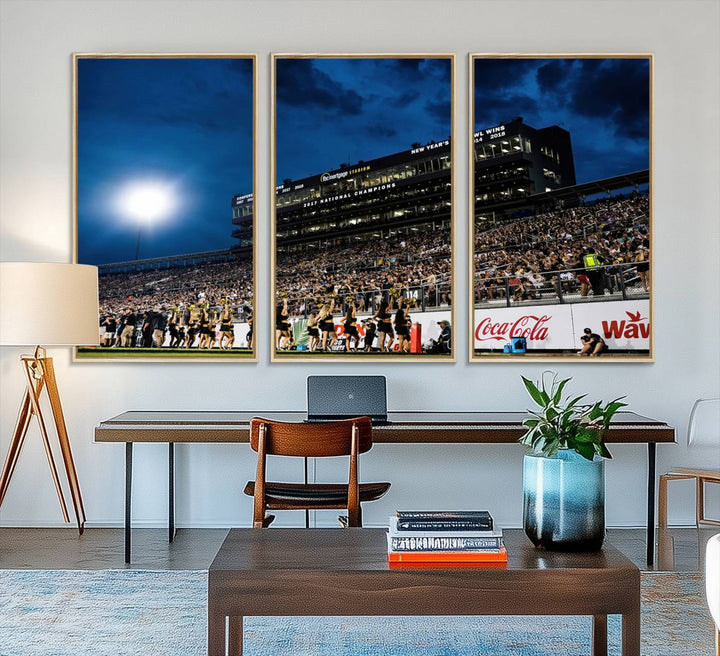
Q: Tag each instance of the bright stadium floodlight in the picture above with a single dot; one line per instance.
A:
(147, 203)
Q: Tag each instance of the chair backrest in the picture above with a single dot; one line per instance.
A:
(312, 439)
(712, 578)
(704, 423)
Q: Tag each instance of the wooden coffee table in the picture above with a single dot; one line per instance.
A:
(275, 572)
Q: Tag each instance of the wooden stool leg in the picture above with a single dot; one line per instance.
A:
(599, 635)
(662, 501)
(235, 636)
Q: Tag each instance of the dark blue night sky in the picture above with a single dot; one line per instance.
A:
(332, 111)
(183, 124)
(603, 103)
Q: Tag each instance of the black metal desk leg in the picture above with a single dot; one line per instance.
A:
(651, 505)
(307, 478)
(128, 497)
(171, 491)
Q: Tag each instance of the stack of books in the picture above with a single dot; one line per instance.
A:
(445, 538)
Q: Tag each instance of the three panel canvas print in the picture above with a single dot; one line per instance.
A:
(362, 214)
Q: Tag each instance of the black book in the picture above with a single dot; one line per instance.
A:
(441, 520)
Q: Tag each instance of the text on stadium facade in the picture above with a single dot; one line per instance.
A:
(489, 133)
(359, 192)
(241, 200)
(339, 175)
(284, 190)
(422, 149)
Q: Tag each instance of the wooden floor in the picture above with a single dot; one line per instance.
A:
(680, 549)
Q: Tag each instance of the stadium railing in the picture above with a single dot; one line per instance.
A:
(620, 281)
(427, 295)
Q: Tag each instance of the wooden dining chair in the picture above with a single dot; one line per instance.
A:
(348, 437)
(703, 430)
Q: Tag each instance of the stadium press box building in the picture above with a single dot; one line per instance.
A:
(409, 191)
(514, 161)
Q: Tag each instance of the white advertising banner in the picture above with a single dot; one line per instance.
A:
(543, 326)
(624, 325)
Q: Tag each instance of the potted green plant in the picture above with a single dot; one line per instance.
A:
(564, 467)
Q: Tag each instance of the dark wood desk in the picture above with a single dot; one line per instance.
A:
(173, 427)
(277, 572)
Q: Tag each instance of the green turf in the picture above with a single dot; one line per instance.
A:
(115, 353)
(359, 354)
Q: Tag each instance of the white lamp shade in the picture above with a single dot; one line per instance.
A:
(48, 304)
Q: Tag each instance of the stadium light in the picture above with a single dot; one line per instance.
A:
(146, 202)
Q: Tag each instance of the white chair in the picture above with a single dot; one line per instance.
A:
(703, 430)
(712, 584)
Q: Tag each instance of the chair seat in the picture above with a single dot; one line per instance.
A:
(298, 495)
(690, 472)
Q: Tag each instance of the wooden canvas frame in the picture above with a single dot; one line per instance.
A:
(278, 188)
(211, 123)
(623, 323)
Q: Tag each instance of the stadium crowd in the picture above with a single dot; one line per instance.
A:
(581, 250)
(566, 251)
(192, 305)
(367, 271)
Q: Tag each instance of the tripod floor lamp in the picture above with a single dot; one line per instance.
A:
(53, 305)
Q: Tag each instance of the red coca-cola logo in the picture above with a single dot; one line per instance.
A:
(529, 326)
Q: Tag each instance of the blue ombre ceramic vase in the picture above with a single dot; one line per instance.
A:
(564, 501)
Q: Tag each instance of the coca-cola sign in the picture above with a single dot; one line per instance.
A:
(531, 327)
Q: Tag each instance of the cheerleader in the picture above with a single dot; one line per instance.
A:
(350, 327)
(384, 326)
(282, 326)
(326, 322)
(313, 332)
(227, 330)
(191, 332)
(249, 336)
(173, 329)
(206, 331)
(401, 322)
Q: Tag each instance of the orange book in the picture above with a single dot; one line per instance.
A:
(451, 557)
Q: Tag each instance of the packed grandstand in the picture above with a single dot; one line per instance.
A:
(363, 235)
(545, 257)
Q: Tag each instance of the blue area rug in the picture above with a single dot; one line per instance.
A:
(129, 612)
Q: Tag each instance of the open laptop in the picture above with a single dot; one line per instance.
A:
(331, 398)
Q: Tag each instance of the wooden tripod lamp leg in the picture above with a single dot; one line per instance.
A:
(34, 373)
(64, 440)
(23, 422)
(39, 374)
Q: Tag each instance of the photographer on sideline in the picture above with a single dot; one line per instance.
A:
(592, 343)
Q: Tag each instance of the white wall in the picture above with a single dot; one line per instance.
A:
(37, 39)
